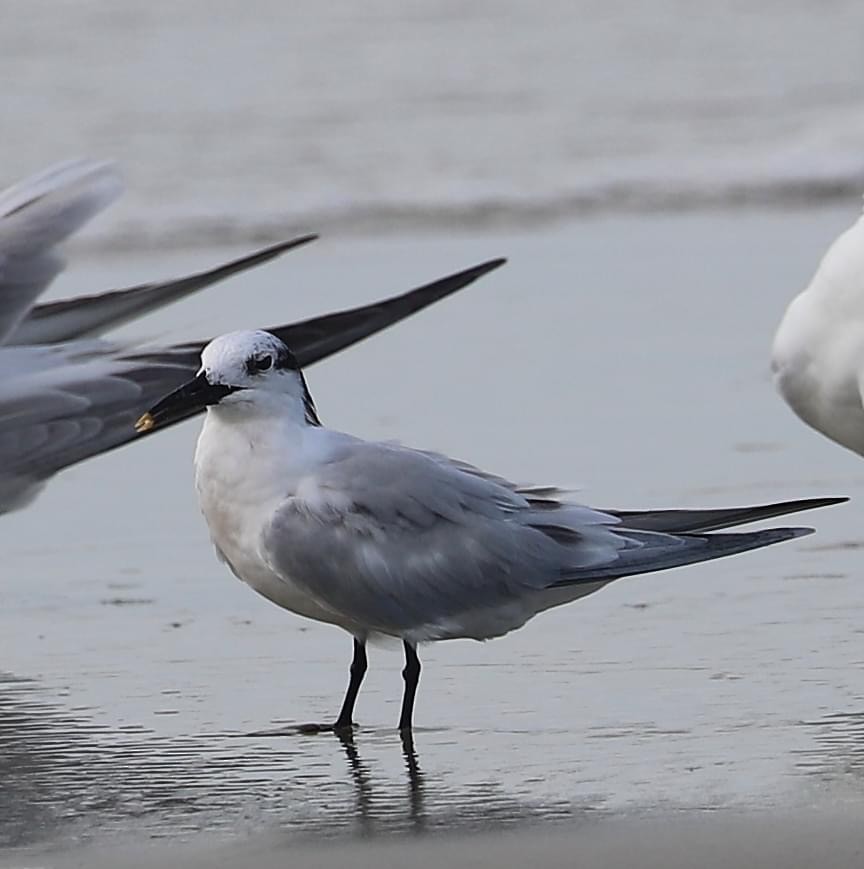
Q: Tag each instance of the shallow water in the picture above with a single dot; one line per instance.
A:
(625, 357)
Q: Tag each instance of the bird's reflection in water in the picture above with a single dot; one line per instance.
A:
(364, 789)
(362, 785)
(65, 777)
(839, 745)
(415, 783)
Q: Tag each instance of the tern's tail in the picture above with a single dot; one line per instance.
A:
(714, 519)
(652, 551)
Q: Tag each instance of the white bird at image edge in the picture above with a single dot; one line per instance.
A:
(818, 353)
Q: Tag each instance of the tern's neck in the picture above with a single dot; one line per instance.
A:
(239, 446)
(266, 413)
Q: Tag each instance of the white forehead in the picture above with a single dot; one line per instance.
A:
(235, 348)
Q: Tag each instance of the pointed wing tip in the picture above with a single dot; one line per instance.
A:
(422, 297)
(289, 244)
(488, 266)
(303, 239)
(459, 280)
(265, 254)
(799, 531)
(814, 503)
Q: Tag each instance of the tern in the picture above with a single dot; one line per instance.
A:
(384, 540)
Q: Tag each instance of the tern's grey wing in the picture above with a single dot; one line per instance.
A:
(411, 544)
(38, 214)
(88, 316)
(408, 543)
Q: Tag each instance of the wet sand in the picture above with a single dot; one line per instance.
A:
(706, 840)
(714, 712)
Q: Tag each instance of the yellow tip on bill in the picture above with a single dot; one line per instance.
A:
(144, 423)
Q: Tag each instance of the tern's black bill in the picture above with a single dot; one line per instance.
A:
(185, 401)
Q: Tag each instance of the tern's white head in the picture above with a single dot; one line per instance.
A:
(250, 371)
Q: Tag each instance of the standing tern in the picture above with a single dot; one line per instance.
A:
(381, 539)
(818, 353)
(65, 393)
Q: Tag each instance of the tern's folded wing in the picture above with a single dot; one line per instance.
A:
(404, 541)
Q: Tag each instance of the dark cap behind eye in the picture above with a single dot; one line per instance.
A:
(283, 358)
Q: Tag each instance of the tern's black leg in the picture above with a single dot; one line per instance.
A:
(411, 675)
(358, 671)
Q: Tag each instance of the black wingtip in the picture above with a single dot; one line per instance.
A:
(282, 246)
(488, 266)
(320, 337)
(418, 298)
(816, 503)
(798, 531)
(467, 276)
(827, 502)
(439, 289)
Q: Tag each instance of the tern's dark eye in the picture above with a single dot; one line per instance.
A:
(262, 363)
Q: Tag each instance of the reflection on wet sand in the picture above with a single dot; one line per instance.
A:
(364, 788)
(840, 740)
(62, 778)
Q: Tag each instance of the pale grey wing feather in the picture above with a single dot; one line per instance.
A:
(75, 401)
(397, 539)
(38, 214)
(88, 316)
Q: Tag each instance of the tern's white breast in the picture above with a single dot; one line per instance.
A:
(242, 477)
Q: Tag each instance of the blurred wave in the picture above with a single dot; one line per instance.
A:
(391, 117)
(492, 211)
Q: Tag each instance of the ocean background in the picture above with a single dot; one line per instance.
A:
(234, 121)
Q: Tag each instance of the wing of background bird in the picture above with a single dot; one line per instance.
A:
(89, 316)
(320, 337)
(38, 214)
(93, 392)
(67, 402)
